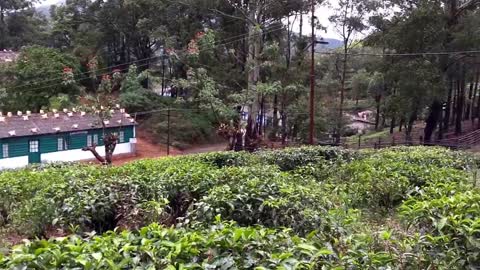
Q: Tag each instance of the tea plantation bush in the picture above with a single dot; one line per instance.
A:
(303, 208)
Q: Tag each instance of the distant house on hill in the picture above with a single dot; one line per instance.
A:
(46, 137)
(7, 56)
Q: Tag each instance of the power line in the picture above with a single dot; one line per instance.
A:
(217, 44)
(402, 54)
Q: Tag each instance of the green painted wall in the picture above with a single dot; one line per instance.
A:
(49, 143)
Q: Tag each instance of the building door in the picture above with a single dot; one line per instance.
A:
(34, 151)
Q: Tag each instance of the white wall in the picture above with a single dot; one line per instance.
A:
(79, 154)
(13, 163)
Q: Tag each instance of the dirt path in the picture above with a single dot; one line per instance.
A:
(206, 148)
(147, 148)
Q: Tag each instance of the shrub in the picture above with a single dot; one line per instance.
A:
(263, 195)
(292, 158)
(222, 246)
(306, 208)
(451, 221)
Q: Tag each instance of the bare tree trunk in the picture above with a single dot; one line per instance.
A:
(378, 100)
(284, 127)
(342, 90)
(273, 134)
(238, 145)
(446, 120)
(477, 82)
(460, 105)
(110, 142)
(392, 125)
(2, 29)
(254, 49)
(301, 24)
(93, 150)
(411, 122)
(468, 109)
(473, 114)
(432, 120)
(454, 103)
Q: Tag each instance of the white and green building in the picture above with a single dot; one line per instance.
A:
(47, 137)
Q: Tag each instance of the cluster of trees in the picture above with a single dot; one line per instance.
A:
(439, 84)
(221, 58)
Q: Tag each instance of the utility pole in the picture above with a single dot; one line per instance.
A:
(312, 79)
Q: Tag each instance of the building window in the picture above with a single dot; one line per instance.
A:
(33, 146)
(60, 144)
(95, 139)
(5, 150)
(89, 141)
(121, 137)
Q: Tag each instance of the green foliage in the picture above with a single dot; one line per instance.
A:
(186, 126)
(305, 208)
(292, 158)
(224, 245)
(38, 78)
(449, 214)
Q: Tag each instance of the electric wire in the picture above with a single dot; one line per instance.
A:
(402, 54)
(116, 67)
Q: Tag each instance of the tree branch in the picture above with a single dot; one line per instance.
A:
(93, 149)
(467, 6)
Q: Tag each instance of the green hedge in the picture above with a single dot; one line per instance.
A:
(310, 207)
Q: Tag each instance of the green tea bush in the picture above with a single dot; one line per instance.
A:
(264, 195)
(223, 246)
(230, 159)
(292, 158)
(304, 208)
(382, 182)
(452, 221)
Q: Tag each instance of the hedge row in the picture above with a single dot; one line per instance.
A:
(403, 208)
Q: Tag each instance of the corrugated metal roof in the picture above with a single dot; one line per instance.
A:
(37, 124)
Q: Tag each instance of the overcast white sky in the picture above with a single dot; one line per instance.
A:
(49, 2)
(322, 13)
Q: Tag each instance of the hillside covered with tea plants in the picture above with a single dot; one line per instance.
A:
(305, 208)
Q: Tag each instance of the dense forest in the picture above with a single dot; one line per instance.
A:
(241, 69)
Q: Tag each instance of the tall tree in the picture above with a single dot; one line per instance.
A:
(41, 73)
(12, 12)
(349, 19)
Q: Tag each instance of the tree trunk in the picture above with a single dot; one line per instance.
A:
(378, 100)
(163, 74)
(392, 125)
(284, 127)
(432, 120)
(2, 29)
(261, 116)
(238, 145)
(384, 120)
(477, 82)
(110, 142)
(460, 105)
(342, 91)
(468, 109)
(273, 134)
(301, 24)
(446, 120)
(402, 123)
(473, 114)
(454, 103)
(254, 49)
(93, 150)
(411, 122)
